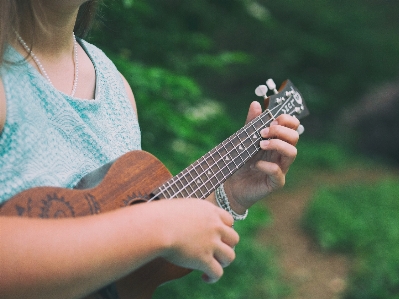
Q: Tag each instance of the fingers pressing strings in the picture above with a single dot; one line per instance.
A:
(277, 131)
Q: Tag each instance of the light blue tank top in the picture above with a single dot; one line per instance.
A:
(52, 139)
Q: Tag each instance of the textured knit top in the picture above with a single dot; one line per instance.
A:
(52, 139)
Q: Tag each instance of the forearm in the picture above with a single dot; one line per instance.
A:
(68, 258)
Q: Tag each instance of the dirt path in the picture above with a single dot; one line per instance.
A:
(310, 273)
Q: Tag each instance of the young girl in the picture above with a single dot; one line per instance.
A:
(65, 111)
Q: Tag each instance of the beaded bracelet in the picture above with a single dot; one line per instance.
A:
(223, 202)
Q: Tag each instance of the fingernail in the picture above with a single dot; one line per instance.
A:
(274, 122)
(264, 132)
(264, 143)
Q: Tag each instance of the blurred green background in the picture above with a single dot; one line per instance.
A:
(193, 67)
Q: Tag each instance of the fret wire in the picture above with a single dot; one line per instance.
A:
(199, 164)
(232, 160)
(209, 166)
(210, 181)
(196, 178)
(214, 164)
(208, 169)
(196, 166)
(260, 117)
(173, 183)
(235, 143)
(174, 191)
(245, 148)
(206, 189)
(178, 182)
(255, 135)
(263, 123)
(235, 164)
(202, 178)
(165, 190)
(227, 154)
(256, 124)
(172, 186)
(188, 173)
(205, 161)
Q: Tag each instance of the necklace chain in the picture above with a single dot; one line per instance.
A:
(43, 71)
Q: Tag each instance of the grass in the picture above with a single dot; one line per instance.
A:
(361, 219)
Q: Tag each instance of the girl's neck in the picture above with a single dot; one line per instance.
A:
(52, 36)
(50, 45)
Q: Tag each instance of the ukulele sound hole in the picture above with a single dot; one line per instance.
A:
(136, 198)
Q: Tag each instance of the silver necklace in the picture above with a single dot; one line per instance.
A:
(41, 68)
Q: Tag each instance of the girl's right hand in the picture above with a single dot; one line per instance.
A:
(199, 236)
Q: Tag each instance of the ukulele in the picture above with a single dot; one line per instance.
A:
(138, 177)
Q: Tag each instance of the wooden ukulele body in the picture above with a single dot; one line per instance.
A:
(129, 180)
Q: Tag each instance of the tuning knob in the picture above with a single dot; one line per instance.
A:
(261, 91)
(272, 86)
(300, 129)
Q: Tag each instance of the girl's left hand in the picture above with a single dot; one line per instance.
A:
(265, 172)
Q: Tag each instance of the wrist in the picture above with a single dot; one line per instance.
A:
(223, 202)
(235, 204)
(156, 242)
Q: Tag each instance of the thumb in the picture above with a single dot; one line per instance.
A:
(255, 110)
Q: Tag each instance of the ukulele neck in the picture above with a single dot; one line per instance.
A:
(202, 177)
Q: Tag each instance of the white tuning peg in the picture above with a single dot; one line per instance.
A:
(272, 86)
(300, 129)
(261, 91)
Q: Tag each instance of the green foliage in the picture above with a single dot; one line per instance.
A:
(338, 48)
(362, 220)
(334, 51)
(317, 155)
(172, 34)
(253, 274)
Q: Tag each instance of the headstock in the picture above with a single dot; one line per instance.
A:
(286, 100)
